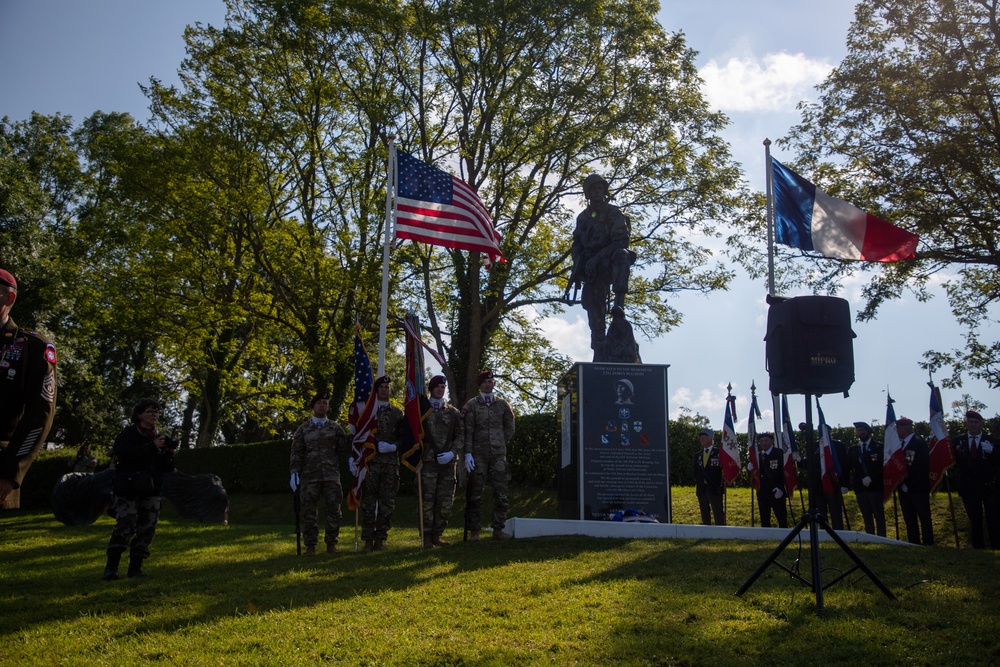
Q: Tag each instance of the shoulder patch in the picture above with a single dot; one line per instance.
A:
(50, 353)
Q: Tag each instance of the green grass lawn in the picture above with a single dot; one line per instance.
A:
(238, 595)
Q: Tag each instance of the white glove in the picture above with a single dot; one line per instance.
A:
(866, 481)
(386, 447)
(987, 447)
(797, 457)
(750, 467)
(444, 458)
(902, 487)
(844, 490)
(778, 494)
(470, 463)
(352, 465)
(294, 482)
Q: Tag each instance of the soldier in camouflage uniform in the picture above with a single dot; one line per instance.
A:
(443, 442)
(27, 395)
(382, 480)
(318, 446)
(489, 426)
(141, 456)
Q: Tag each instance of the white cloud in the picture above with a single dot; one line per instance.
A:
(775, 83)
(570, 337)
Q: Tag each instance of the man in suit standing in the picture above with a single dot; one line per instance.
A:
(864, 475)
(771, 496)
(709, 485)
(915, 491)
(976, 458)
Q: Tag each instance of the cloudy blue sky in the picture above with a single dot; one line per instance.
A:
(758, 59)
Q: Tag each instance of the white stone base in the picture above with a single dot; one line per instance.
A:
(523, 528)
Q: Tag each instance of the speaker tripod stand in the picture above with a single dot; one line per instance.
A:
(814, 520)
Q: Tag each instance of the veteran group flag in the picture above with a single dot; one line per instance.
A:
(893, 463)
(941, 455)
(729, 453)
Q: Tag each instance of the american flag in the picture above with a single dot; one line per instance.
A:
(361, 418)
(432, 206)
(941, 455)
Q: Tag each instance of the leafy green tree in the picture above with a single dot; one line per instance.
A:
(906, 126)
(523, 101)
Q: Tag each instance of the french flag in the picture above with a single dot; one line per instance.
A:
(808, 218)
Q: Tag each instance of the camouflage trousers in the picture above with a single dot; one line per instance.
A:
(438, 482)
(378, 500)
(333, 495)
(135, 525)
(496, 471)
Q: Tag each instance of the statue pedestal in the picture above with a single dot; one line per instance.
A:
(614, 446)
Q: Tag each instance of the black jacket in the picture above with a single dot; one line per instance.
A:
(134, 451)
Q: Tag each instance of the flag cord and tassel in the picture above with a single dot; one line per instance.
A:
(420, 509)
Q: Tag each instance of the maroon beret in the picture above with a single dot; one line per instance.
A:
(7, 279)
(435, 381)
(972, 414)
(381, 381)
(485, 375)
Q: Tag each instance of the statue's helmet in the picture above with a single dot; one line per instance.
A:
(592, 181)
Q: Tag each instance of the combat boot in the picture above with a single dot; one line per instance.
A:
(111, 569)
(428, 542)
(331, 548)
(474, 536)
(311, 550)
(438, 542)
(378, 545)
(498, 534)
(135, 567)
(368, 546)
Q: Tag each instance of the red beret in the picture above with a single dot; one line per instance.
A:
(320, 396)
(381, 381)
(904, 420)
(435, 381)
(7, 279)
(972, 414)
(485, 375)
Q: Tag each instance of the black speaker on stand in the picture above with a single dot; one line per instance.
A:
(810, 351)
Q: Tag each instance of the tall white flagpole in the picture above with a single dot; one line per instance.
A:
(770, 217)
(390, 204)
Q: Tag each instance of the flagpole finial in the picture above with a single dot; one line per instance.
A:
(729, 387)
(753, 387)
(767, 142)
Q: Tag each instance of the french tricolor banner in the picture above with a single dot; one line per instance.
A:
(806, 217)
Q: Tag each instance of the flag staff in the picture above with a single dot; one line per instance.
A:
(770, 216)
(390, 187)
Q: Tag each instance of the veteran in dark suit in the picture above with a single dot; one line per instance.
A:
(915, 491)
(709, 485)
(977, 460)
(864, 476)
(771, 496)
